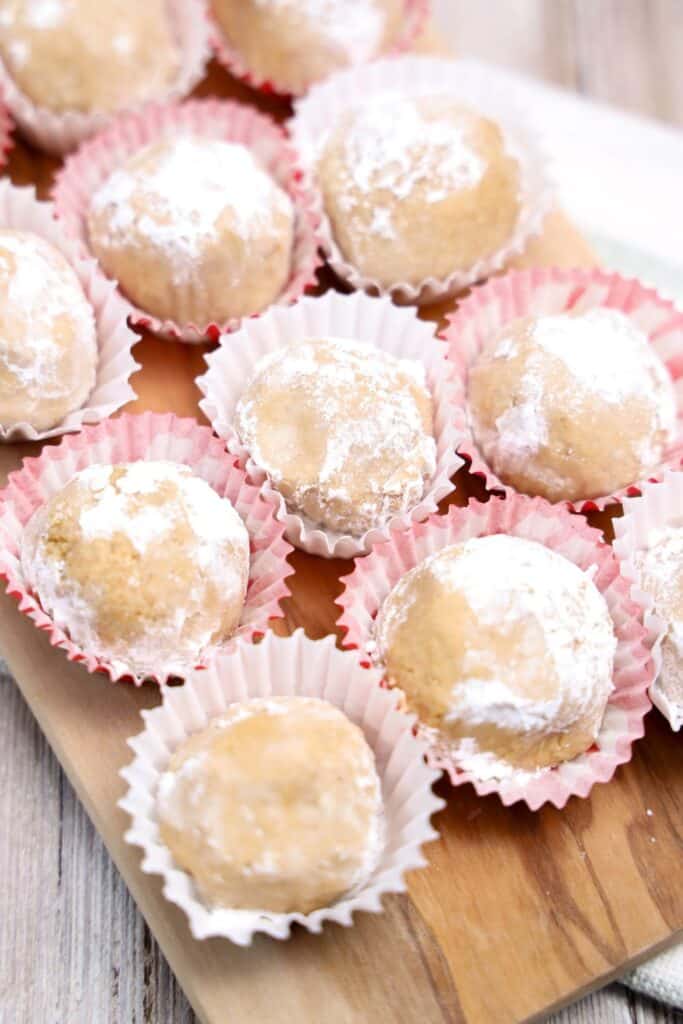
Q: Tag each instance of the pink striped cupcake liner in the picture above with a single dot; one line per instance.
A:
(6, 129)
(130, 438)
(21, 211)
(660, 505)
(88, 169)
(548, 291)
(58, 133)
(358, 317)
(373, 577)
(468, 83)
(414, 20)
(285, 667)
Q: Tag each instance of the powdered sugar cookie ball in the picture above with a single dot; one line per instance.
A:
(142, 564)
(83, 56)
(194, 230)
(417, 188)
(275, 806)
(343, 430)
(570, 406)
(661, 576)
(294, 43)
(504, 649)
(48, 356)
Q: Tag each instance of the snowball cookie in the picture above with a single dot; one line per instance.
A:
(661, 576)
(275, 806)
(80, 55)
(505, 648)
(294, 43)
(417, 188)
(141, 563)
(194, 230)
(48, 341)
(571, 406)
(343, 430)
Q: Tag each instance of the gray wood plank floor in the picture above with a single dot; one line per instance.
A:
(73, 948)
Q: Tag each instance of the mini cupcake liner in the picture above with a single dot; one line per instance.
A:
(130, 438)
(544, 292)
(366, 588)
(6, 129)
(21, 211)
(659, 506)
(358, 317)
(291, 666)
(59, 133)
(414, 19)
(317, 114)
(88, 168)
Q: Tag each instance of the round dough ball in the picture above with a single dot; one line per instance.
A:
(417, 188)
(194, 230)
(142, 563)
(294, 43)
(89, 55)
(661, 576)
(505, 648)
(571, 407)
(343, 430)
(275, 806)
(48, 341)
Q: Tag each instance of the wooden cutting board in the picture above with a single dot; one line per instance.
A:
(516, 913)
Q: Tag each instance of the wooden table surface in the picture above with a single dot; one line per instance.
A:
(73, 948)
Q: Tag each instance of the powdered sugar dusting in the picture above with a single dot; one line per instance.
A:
(356, 31)
(390, 144)
(661, 570)
(114, 504)
(39, 291)
(507, 582)
(366, 416)
(177, 199)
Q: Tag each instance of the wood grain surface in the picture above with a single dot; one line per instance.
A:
(575, 894)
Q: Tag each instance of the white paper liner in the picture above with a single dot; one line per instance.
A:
(373, 577)
(21, 211)
(58, 133)
(360, 318)
(130, 438)
(659, 506)
(86, 170)
(287, 666)
(317, 114)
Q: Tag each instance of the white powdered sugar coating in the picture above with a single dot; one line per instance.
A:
(188, 783)
(385, 430)
(607, 356)
(509, 581)
(219, 547)
(45, 14)
(389, 145)
(661, 576)
(356, 30)
(177, 205)
(39, 294)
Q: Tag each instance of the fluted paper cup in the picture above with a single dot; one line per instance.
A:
(360, 318)
(547, 292)
(6, 128)
(415, 15)
(87, 170)
(60, 132)
(318, 113)
(150, 436)
(659, 506)
(373, 578)
(291, 666)
(21, 211)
